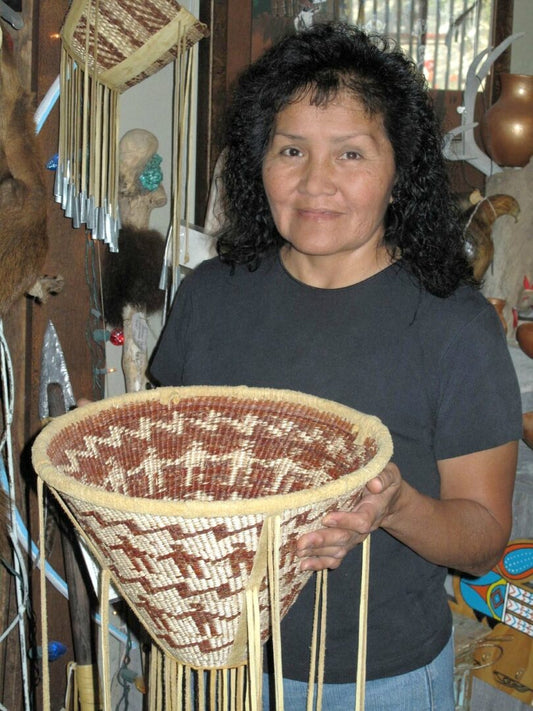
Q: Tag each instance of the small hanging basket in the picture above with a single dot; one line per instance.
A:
(122, 42)
(108, 46)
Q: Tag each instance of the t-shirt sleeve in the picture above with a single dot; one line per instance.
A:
(168, 360)
(479, 405)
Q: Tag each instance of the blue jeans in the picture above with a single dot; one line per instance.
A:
(429, 688)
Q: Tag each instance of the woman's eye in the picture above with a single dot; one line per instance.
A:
(291, 152)
(350, 155)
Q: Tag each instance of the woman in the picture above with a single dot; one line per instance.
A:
(341, 273)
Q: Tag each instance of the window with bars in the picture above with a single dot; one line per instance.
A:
(442, 36)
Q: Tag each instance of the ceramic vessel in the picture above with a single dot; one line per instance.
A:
(524, 336)
(507, 127)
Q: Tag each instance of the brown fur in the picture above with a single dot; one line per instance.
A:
(23, 239)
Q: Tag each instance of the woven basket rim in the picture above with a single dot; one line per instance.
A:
(369, 426)
(126, 73)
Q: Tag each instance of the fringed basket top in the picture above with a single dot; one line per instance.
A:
(171, 489)
(107, 47)
(128, 40)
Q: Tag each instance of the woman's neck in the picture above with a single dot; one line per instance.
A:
(335, 271)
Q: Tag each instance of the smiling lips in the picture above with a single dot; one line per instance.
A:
(317, 213)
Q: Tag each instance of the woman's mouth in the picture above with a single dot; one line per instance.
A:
(317, 213)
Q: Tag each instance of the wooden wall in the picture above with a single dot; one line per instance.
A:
(37, 47)
(221, 59)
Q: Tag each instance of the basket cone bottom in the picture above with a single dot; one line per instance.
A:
(238, 686)
(187, 579)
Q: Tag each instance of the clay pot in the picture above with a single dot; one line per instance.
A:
(524, 336)
(507, 127)
(499, 305)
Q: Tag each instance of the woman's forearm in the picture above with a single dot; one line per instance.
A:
(466, 529)
(456, 533)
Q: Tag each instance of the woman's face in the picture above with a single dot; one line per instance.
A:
(328, 174)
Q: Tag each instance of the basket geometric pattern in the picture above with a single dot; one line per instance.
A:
(134, 39)
(109, 46)
(172, 488)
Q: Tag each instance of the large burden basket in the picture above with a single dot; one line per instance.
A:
(183, 493)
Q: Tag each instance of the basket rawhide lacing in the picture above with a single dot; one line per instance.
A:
(192, 500)
(109, 46)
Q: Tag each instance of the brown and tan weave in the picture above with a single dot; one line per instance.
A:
(128, 40)
(173, 491)
(109, 46)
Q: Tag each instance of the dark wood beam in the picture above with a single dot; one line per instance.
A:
(221, 58)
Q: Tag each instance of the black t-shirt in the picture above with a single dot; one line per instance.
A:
(436, 371)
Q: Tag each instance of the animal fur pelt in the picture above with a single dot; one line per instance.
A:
(130, 277)
(23, 239)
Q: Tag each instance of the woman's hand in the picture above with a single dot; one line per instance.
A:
(343, 530)
(467, 528)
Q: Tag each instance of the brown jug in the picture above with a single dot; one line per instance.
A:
(507, 127)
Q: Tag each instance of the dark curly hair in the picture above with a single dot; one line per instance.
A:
(422, 223)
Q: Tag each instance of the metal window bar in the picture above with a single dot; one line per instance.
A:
(435, 31)
(463, 32)
(449, 40)
(410, 29)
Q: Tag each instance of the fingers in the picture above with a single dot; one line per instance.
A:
(362, 521)
(328, 554)
(325, 539)
(343, 530)
(327, 547)
(390, 476)
(320, 563)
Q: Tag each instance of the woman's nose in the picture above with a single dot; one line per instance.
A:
(317, 177)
